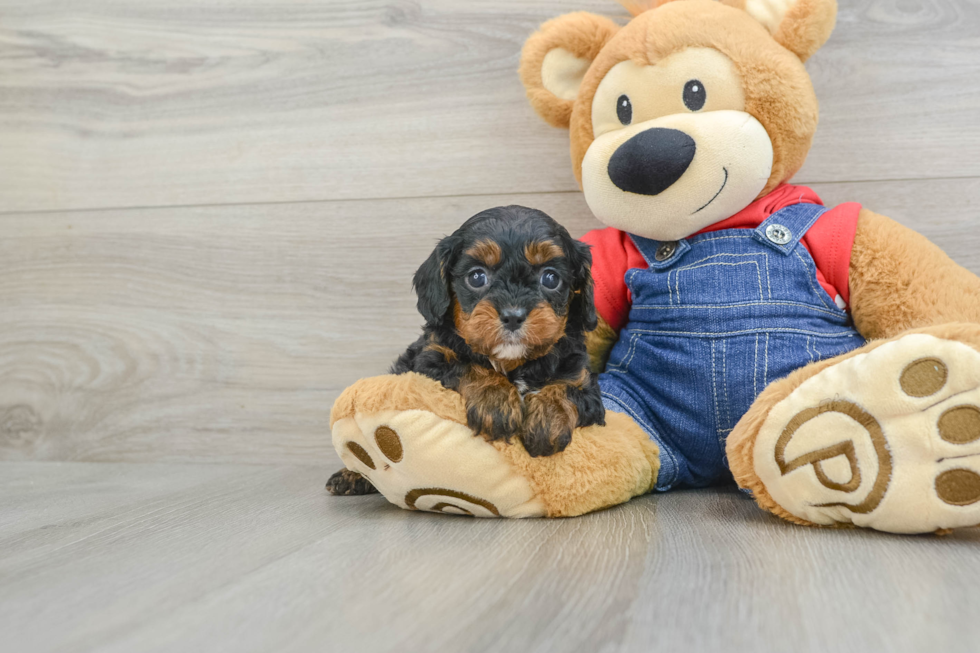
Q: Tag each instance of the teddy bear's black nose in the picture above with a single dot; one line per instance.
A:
(650, 162)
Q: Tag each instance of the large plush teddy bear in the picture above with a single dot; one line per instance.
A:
(827, 359)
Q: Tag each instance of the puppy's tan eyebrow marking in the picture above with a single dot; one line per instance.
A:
(542, 251)
(485, 251)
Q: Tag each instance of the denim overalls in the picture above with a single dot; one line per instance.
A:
(714, 319)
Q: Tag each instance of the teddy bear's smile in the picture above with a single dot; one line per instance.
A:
(723, 184)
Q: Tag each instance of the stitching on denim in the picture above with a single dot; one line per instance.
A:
(755, 369)
(739, 305)
(718, 334)
(724, 381)
(714, 388)
(652, 432)
(765, 370)
(629, 281)
(634, 338)
(740, 236)
(768, 276)
(754, 255)
(623, 365)
(758, 274)
(811, 277)
(816, 351)
(707, 258)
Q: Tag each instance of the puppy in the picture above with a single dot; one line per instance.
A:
(507, 300)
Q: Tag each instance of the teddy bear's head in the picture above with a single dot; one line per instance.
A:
(685, 115)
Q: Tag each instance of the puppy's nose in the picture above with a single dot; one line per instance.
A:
(650, 162)
(513, 318)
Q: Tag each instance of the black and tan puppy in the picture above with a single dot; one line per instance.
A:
(507, 300)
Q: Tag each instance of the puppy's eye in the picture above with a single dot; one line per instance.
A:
(550, 279)
(476, 278)
(624, 110)
(694, 95)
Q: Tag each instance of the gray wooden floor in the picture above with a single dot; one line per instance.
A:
(210, 213)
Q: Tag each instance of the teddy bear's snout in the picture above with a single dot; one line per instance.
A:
(650, 162)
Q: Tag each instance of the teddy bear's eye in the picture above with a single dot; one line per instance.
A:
(624, 110)
(694, 95)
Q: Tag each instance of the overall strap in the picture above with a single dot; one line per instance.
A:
(660, 254)
(783, 229)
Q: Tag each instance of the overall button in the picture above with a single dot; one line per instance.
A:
(666, 250)
(779, 234)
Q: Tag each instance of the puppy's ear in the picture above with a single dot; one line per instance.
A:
(581, 312)
(432, 280)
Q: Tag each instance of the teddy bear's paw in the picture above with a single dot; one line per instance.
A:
(420, 461)
(889, 440)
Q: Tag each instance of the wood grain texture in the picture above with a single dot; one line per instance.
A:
(225, 333)
(256, 559)
(128, 103)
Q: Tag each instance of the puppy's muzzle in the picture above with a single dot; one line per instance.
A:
(513, 318)
(650, 162)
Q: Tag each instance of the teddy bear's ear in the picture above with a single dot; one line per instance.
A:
(800, 26)
(555, 59)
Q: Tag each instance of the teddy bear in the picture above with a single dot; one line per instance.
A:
(826, 359)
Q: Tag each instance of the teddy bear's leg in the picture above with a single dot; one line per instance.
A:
(407, 435)
(885, 437)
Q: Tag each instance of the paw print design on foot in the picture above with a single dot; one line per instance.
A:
(888, 439)
(420, 461)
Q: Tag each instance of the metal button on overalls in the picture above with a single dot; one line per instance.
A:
(666, 250)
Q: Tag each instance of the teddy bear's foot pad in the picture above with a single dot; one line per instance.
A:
(889, 439)
(420, 461)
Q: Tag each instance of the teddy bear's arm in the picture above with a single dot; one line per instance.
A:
(599, 342)
(899, 280)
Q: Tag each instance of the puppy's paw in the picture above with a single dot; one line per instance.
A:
(494, 411)
(549, 418)
(348, 483)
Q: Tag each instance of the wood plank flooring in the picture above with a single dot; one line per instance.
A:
(256, 558)
(109, 103)
(225, 333)
(209, 217)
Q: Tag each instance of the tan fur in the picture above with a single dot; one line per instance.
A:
(491, 396)
(409, 391)
(599, 343)
(899, 280)
(485, 251)
(544, 328)
(802, 30)
(603, 466)
(540, 252)
(778, 92)
(480, 329)
(807, 26)
(550, 412)
(741, 441)
(583, 35)
(446, 352)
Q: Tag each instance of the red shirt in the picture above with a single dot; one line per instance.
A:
(829, 242)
